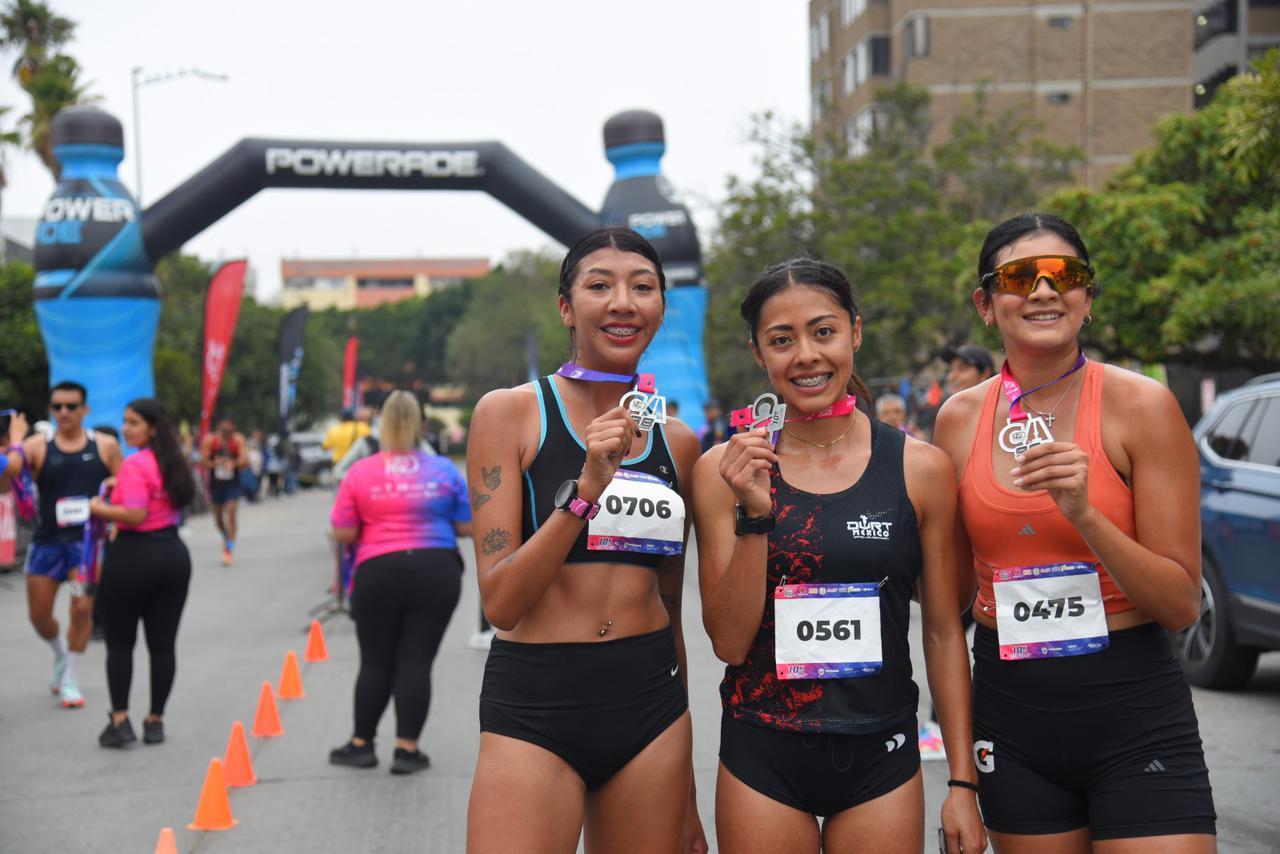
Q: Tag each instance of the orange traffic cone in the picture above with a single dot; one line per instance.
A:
(291, 678)
(237, 765)
(316, 649)
(214, 811)
(266, 723)
(166, 843)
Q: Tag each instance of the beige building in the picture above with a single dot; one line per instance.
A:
(365, 283)
(1095, 74)
(1230, 34)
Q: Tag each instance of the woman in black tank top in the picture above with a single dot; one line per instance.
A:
(810, 545)
(580, 529)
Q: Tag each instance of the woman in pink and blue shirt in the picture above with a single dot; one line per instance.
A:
(403, 509)
(146, 568)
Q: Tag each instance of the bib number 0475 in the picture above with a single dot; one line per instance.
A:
(1045, 609)
(841, 630)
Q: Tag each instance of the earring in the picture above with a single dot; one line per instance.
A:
(1088, 320)
(988, 322)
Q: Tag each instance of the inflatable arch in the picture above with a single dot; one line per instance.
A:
(97, 299)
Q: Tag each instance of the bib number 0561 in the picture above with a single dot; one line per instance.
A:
(840, 630)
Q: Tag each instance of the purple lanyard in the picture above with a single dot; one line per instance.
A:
(1013, 391)
(570, 371)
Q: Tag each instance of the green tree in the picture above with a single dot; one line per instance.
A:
(1187, 240)
(903, 222)
(8, 139)
(1251, 122)
(487, 348)
(24, 368)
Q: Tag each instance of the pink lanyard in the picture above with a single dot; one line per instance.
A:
(1013, 390)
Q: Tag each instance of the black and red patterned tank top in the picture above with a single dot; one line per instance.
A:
(864, 533)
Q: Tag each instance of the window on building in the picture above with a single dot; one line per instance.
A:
(372, 282)
(821, 100)
(848, 73)
(851, 10)
(1060, 22)
(824, 33)
(879, 55)
(915, 37)
(1058, 97)
(859, 131)
(813, 43)
(1221, 17)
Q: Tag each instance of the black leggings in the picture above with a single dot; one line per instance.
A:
(402, 603)
(144, 577)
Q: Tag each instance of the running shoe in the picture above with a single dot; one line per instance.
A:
(409, 761)
(226, 556)
(59, 668)
(931, 742)
(353, 756)
(69, 694)
(152, 732)
(480, 640)
(117, 736)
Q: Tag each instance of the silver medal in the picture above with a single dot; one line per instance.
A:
(1017, 437)
(645, 409)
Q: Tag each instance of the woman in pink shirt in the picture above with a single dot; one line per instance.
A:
(403, 509)
(146, 568)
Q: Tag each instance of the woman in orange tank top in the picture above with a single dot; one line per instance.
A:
(1079, 498)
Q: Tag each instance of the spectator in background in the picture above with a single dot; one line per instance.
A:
(968, 364)
(273, 464)
(716, 430)
(891, 409)
(251, 477)
(343, 435)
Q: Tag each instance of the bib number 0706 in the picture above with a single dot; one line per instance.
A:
(628, 505)
(1072, 606)
(826, 630)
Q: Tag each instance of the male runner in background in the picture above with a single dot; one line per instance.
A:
(223, 454)
(68, 470)
(343, 435)
(968, 365)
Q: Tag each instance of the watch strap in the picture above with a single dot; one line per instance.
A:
(583, 509)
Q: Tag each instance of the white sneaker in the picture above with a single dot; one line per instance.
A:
(59, 668)
(480, 640)
(931, 748)
(69, 694)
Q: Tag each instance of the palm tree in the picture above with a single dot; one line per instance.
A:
(54, 87)
(8, 138)
(32, 28)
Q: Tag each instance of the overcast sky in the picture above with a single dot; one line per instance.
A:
(541, 77)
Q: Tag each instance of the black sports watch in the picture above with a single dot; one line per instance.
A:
(567, 500)
(744, 524)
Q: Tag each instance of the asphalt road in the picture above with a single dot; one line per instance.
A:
(59, 792)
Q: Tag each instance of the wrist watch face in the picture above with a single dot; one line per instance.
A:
(566, 493)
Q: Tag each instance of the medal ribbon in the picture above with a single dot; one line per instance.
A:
(835, 410)
(95, 531)
(1013, 390)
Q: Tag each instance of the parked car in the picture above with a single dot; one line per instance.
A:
(315, 464)
(1239, 444)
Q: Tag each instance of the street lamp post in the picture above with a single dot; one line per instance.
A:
(140, 79)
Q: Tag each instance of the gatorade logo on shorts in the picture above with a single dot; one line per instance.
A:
(984, 756)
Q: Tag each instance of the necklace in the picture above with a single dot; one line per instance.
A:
(852, 422)
(1048, 416)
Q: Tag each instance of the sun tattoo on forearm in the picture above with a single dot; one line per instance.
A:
(495, 541)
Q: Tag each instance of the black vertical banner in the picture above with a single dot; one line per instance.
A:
(289, 358)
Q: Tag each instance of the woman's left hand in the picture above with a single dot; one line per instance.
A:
(962, 823)
(98, 506)
(1062, 469)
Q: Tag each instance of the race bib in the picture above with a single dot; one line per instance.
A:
(1049, 611)
(638, 513)
(827, 631)
(224, 471)
(71, 511)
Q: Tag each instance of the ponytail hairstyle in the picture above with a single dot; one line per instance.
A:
(174, 471)
(1027, 225)
(815, 274)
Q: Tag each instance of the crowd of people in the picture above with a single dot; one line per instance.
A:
(1054, 505)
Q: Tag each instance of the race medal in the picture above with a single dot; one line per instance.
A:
(645, 406)
(765, 413)
(1018, 437)
(827, 631)
(224, 471)
(1049, 611)
(638, 513)
(71, 511)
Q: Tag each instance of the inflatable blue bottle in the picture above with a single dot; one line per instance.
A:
(641, 199)
(97, 299)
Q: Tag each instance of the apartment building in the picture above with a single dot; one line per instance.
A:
(365, 283)
(1230, 34)
(1098, 75)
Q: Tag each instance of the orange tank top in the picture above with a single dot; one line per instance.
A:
(1011, 528)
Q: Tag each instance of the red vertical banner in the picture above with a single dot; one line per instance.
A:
(221, 310)
(350, 393)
